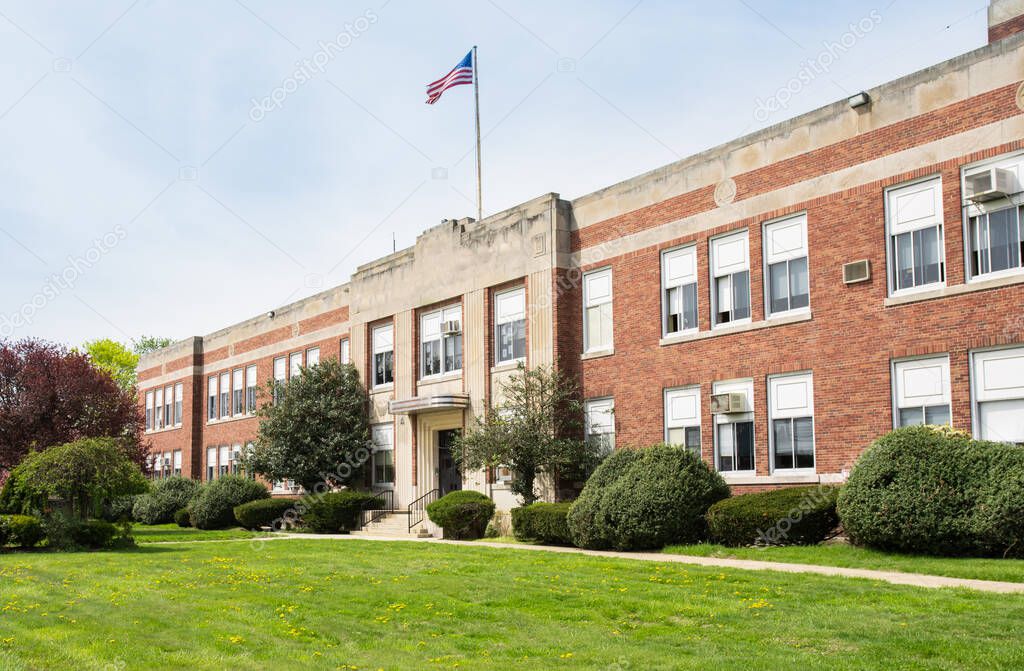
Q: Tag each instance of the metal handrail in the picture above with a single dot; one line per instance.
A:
(371, 515)
(418, 508)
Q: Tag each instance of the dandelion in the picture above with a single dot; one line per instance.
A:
(235, 639)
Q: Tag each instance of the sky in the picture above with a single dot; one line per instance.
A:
(173, 167)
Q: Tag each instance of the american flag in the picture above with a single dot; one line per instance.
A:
(460, 74)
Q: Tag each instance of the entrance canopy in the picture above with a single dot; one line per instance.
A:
(418, 404)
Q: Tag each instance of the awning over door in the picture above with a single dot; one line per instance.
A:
(418, 404)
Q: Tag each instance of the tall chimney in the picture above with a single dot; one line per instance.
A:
(1005, 18)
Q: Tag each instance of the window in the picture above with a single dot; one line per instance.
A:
(280, 375)
(383, 455)
(682, 418)
(294, 365)
(225, 395)
(344, 353)
(921, 391)
(149, 411)
(734, 432)
(791, 416)
(250, 389)
(998, 377)
(600, 423)
(510, 326)
(234, 462)
(168, 406)
(503, 475)
(237, 392)
(915, 249)
(441, 341)
(785, 257)
(158, 423)
(211, 463)
(177, 463)
(224, 463)
(383, 355)
(249, 448)
(312, 356)
(679, 290)
(179, 397)
(211, 398)
(730, 271)
(597, 310)
(996, 223)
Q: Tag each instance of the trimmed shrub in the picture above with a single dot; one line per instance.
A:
(93, 533)
(463, 515)
(544, 522)
(168, 496)
(646, 499)
(335, 512)
(214, 505)
(23, 530)
(933, 490)
(791, 516)
(183, 518)
(265, 512)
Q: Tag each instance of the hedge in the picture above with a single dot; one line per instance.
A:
(167, 497)
(335, 512)
(183, 518)
(791, 516)
(463, 515)
(646, 499)
(543, 522)
(93, 533)
(23, 530)
(266, 513)
(214, 506)
(936, 491)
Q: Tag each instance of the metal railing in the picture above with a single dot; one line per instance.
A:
(371, 513)
(418, 508)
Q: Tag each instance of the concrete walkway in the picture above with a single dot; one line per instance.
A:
(893, 577)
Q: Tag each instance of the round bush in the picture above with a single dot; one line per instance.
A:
(335, 512)
(93, 533)
(23, 530)
(543, 522)
(214, 505)
(646, 499)
(791, 516)
(183, 518)
(463, 515)
(935, 491)
(168, 496)
(274, 513)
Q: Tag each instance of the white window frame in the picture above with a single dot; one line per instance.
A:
(781, 407)
(1015, 163)
(599, 414)
(934, 220)
(790, 249)
(212, 410)
(225, 395)
(503, 317)
(176, 463)
(382, 347)
(746, 387)
(981, 394)
(682, 411)
(294, 364)
(312, 357)
(280, 374)
(158, 404)
(720, 268)
(251, 388)
(223, 461)
(179, 401)
(598, 291)
(900, 370)
(378, 432)
(150, 414)
(237, 392)
(679, 270)
(344, 351)
(169, 406)
(430, 332)
(211, 464)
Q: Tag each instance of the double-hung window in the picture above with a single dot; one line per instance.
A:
(679, 290)
(149, 411)
(510, 326)
(791, 415)
(179, 398)
(916, 250)
(600, 423)
(441, 341)
(785, 256)
(211, 463)
(294, 365)
(730, 273)
(224, 464)
(169, 405)
(211, 398)
(158, 423)
(921, 391)
(383, 455)
(998, 384)
(280, 375)
(993, 200)
(734, 431)
(344, 351)
(597, 310)
(312, 357)
(682, 418)
(177, 462)
(383, 355)
(250, 389)
(225, 395)
(237, 391)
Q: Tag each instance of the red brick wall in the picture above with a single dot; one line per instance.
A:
(1005, 29)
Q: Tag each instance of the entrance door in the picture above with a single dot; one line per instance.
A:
(449, 477)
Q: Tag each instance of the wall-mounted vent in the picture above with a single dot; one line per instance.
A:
(724, 404)
(990, 184)
(857, 271)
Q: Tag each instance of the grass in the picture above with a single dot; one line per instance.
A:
(1006, 570)
(161, 533)
(329, 604)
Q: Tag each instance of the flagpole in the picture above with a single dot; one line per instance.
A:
(479, 178)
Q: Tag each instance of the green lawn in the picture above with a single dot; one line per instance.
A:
(159, 533)
(1007, 570)
(330, 604)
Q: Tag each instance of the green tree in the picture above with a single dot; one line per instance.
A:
(317, 431)
(538, 428)
(145, 344)
(114, 359)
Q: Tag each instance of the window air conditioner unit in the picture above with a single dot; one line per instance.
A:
(857, 271)
(724, 404)
(989, 185)
(451, 327)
